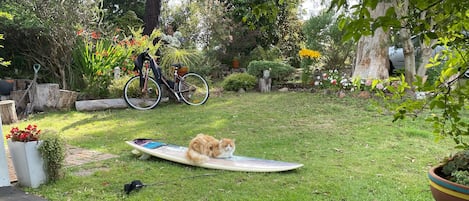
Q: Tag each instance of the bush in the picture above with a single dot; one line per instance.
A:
(208, 66)
(278, 71)
(53, 151)
(116, 87)
(237, 81)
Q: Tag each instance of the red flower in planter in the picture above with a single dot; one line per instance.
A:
(30, 133)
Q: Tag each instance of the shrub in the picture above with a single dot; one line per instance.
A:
(278, 71)
(53, 151)
(237, 81)
(207, 66)
(117, 85)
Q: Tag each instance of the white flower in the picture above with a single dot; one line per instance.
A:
(379, 86)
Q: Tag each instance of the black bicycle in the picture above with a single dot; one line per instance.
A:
(143, 92)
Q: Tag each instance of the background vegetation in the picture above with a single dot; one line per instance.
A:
(80, 50)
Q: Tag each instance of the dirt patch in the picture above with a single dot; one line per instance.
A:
(88, 172)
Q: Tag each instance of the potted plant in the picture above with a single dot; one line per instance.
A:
(450, 180)
(35, 155)
(27, 161)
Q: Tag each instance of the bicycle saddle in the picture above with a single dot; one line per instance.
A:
(177, 65)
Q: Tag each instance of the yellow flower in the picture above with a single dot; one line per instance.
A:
(304, 53)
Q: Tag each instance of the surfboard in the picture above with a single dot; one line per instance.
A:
(177, 153)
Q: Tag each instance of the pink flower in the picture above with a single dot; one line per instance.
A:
(333, 82)
(324, 75)
(368, 82)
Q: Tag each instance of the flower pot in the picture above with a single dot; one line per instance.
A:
(446, 190)
(28, 163)
(6, 86)
(235, 64)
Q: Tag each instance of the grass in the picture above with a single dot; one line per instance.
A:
(349, 151)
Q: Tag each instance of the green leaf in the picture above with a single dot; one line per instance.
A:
(244, 19)
(390, 12)
(341, 23)
(437, 103)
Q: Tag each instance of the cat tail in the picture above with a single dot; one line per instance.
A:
(196, 157)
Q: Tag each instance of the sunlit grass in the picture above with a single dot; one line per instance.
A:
(349, 151)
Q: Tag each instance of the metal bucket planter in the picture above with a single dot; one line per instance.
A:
(28, 163)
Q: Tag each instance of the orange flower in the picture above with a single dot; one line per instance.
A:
(105, 53)
(79, 32)
(95, 35)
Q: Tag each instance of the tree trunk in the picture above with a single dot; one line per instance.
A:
(372, 53)
(8, 112)
(409, 56)
(402, 11)
(426, 49)
(152, 14)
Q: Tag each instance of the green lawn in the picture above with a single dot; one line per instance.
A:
(349, 151)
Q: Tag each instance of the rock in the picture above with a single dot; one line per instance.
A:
(284, 89)
(342, 94)
(364, 94)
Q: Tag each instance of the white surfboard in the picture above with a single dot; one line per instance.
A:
(236, 163)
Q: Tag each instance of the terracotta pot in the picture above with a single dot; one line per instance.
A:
(446, 190)
(235, 63)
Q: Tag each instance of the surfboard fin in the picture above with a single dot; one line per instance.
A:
(136, 152)
(144, 156)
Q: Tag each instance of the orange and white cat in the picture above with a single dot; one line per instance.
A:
(202, 147)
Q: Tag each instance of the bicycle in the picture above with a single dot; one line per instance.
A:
(143, 92)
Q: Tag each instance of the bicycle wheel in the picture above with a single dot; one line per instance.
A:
(142, 100)
(193, 89)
